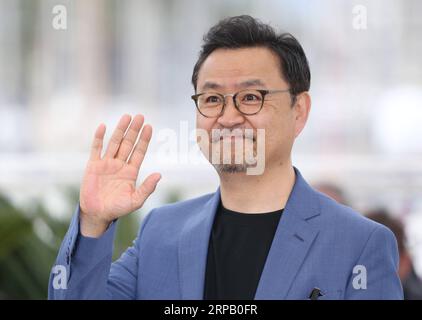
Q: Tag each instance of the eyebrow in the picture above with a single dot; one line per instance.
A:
(244, 84)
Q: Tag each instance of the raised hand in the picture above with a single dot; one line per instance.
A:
(108, 189)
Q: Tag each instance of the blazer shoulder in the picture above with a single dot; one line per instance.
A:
(163, 225)
(346, 219)
(352, 232)
(178, 212)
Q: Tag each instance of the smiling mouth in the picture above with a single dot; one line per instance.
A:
(232, 135)
(233, 138)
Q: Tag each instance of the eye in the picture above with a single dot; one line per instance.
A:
(212, 99)
(251, 97)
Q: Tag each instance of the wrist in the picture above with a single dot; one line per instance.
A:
(90, 226)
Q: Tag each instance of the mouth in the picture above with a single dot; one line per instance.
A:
(234, 138)
(232, 135)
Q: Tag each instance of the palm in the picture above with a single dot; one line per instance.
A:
(109, 189)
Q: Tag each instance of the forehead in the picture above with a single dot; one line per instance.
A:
(229, 67)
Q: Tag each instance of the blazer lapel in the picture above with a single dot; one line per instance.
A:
(292, 241)
(193, 249)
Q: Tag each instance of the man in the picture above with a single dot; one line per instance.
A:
(262, 235)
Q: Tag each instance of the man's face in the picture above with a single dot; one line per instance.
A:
(228, 71)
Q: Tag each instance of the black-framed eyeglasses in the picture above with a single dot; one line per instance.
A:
(247, 102)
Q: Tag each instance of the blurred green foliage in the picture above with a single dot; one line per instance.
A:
(30, 240)
(25, 258)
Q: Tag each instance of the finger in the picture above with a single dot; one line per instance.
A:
(117, 136)
(129, 139)
(141, 147)
(97, 144)
(145, 189)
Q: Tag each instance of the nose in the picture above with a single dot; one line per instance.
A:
(231, 116)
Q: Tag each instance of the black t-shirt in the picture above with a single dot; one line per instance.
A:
(238, 247)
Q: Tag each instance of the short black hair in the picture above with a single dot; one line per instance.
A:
(245, 31)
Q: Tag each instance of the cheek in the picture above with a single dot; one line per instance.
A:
(202, 122)
(280, 129)
(204, 125)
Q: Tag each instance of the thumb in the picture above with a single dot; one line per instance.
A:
(145, 189)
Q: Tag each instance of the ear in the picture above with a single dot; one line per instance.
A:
(302, 108)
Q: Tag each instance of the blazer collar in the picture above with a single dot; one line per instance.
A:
(193, 249)
(292, 241)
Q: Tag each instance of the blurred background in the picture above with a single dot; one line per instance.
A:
(60, 79)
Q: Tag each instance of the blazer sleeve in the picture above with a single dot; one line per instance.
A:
(375, 274)
(84, 268)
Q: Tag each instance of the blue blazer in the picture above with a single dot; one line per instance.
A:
(318, 244)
